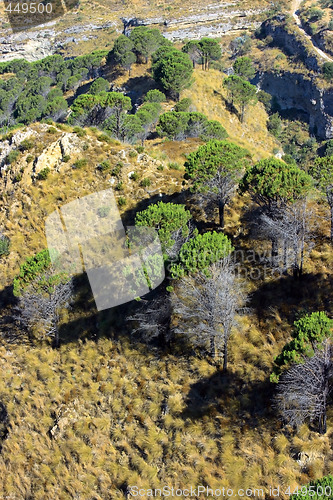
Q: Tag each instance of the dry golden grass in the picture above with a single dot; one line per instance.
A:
(107, 396)
(208, 96)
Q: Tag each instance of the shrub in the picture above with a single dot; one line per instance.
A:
(155, 96)
(274, 124)
(133, 153)
(29, 158)
(328, 70)
(18, 178)
(26, 144)
(4, 245)
(43, 173)
(79, 131)
(12, 156)
(134, 176)
(329, 148)
(119, 186)
(140, 149)
(146, 182)
(174, 166)
(122, 201)
(85, 146)
(320, 488)
(66, 158)
(31, 268)
(105, 138)
(183, 105)
(117, 169)
(200, 252)
(104, 166)
(51, 130)
(82, 162)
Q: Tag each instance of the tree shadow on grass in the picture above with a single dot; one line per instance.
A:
(291, 297)
(136, 87)
(4, 424)
(225, 394)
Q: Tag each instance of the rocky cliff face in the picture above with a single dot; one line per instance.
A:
(324, 40)
(296, 91)
(285, 35)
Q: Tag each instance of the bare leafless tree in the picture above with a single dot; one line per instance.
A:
(152, 319)
(304, 388)
(293, 226)
(206, 306)
(41, 302)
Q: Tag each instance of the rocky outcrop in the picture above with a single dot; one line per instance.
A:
(33, 45)
(213, 20)
(324, 40)
(296, 91)
(68, 144)
(289, 38)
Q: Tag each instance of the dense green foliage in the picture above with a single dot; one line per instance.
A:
(166, 218)
(146, 41)
(183, 105)
(216, 156)
(215, 169)
(180, 125)
(122, 53)
(241, 93)
(309, 334)
(271, 182)
(99, 85)
(328, 70)
(243, 67)
(173, 70)
(201, 251)
(203, 51)
(36, 90)
(154, 95)
(30, 269)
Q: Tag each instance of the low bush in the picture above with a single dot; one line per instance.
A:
(43, 173)
(82, 162)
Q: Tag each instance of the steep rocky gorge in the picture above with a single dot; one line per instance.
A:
(302, 91)
(293, 91)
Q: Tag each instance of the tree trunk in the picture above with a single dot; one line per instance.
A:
(221, 213)
(322, 423)
(242, 114)
(212, 347)
(275, 251)
(56, 341)
(225, 356)
(285, 256)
